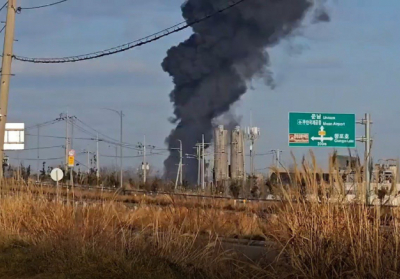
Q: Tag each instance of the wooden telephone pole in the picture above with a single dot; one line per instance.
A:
(6, 72)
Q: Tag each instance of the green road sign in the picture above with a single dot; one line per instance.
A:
(322, 130)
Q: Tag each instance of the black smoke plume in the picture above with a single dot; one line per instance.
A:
(211, 68)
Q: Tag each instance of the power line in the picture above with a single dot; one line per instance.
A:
(112, 141)
(47, 123)
(136, 156)
(84, 130)
(96, 131)
(60, 137)
(121, 48)
(39, 7)
(88, 139)
(5, 4)
(2, 29)
(35, 159)
(36, 148)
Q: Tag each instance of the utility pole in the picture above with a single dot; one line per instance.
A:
(277, 153)
(253, 133)
(71, 176)
(198, 164)
(6, 73)
(144, 160)
(368, 154)
(71, 147)
(38, 154)
(97, 161)
(66, 143)
(180, 162)
(366, 121)
(278, 158)
(116, 162)
(121, 115)
(202, 162)
(143, 148)
(251, 158)
(179, 173)
(72, 133)
(88, 162)
(120, 153)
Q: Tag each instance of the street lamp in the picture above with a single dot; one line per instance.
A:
(120, 151)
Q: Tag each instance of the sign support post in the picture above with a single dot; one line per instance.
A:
(367, 154)
(71, 164)
(57, 174)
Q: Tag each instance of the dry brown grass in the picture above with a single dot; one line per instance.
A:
(328, 239)
(80, 194)
(45, 239)
(180, 239)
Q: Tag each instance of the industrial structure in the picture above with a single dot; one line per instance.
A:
(221, 149)
(229, 154)
(237, 171)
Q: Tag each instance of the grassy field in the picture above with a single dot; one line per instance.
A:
(42, 238)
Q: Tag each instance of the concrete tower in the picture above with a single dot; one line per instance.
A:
(237, 155)
(221, 154)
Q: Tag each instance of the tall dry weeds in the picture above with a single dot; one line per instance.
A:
(320, 234)
(327, 238)
(54, 240)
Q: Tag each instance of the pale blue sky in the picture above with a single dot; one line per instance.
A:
(348, 65)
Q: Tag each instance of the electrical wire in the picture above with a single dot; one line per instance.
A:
(80, 138)
(110, 139)
(121, 48)
(114, 142)
(96, 131)
(36, 148)
(60, 137)
(84, 130)
(136, 156)
(43, 6)
(2, 29)
(54, 121)
(36, 159)
(124, 144)
(5, 4)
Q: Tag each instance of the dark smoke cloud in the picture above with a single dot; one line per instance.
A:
(321, 15)
(212, 67)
